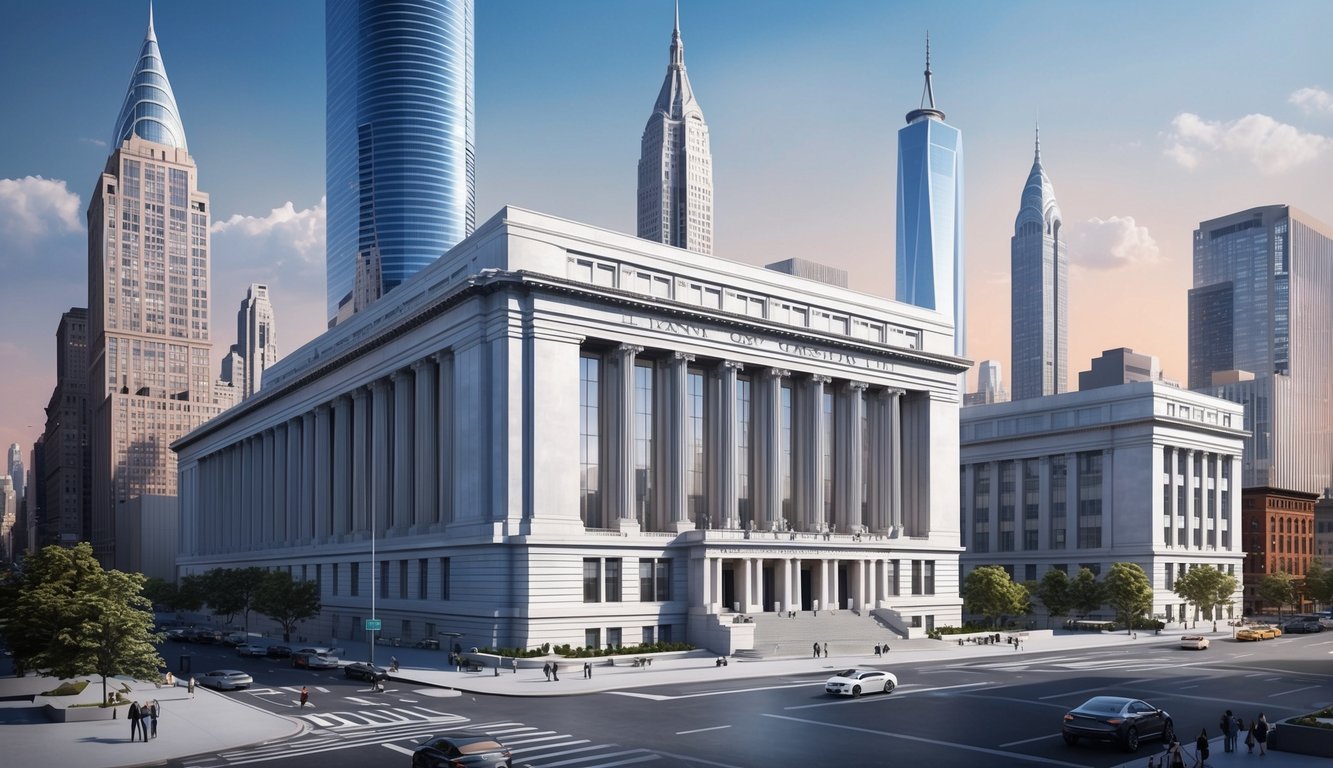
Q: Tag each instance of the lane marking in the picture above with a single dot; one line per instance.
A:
(666, 697)
(692, 760)
(936, 742)
(566, 752)
(579, 759)
(397, 748)
(1026, 741)
(1297, 690)
(898, 693)
(701, 730)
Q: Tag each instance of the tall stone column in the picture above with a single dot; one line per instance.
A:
(706, 584)
(425, 481)
(311, 461)
(895, 484)
(280, 533)
(444, 411)
(403, 443)
(795, 590)
(785, 595)
(678, 477)
(381, 513)
(361, 460)
(769, 444)
(256, 492)
(855, 449)
(729, 446)
(323, 480)
(622, 440)
(813, 469)
(343, 491)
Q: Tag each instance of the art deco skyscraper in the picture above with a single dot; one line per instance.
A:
(929, 249)
(66, 435)
(1039, 281)
(148, 275)
(256, 337)
(400, 162)
(675, 164)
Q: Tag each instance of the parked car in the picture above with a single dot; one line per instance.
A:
(305, 660)
(1119, 720)
(1303, 626)
(361, 670)
(279, 652)
(1194, 642)
(456, 750)
(249, 649)
(176, 635)
(206, 636)
(225, 679)
(1248, 634)
(854, 682)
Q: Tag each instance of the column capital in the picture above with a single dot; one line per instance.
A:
(739, 366)
(682, 356)
(629, 349)
(325, 407)
(820, 378)
(777, 373)
(892, 392)
(397, 374)
(859, 386)
(359, 393)
(422, 363)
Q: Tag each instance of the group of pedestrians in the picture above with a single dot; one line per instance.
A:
(880, 650)
(552, 671)
(1232, 726)
(817, 650)
(143, 719)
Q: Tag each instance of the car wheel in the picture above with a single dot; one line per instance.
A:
(888, 687)
(1132, 739)
(1168, 733)
(856, 691)
(1070, 739)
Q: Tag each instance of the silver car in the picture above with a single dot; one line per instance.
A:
(225, 679)
(854, 682)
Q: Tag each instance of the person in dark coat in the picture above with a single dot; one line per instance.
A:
(153, 712)
(555, 671)
(135, 715)
(546, 668)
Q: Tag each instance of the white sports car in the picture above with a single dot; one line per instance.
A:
(854, 682)
(1194, 642)
(225, 679)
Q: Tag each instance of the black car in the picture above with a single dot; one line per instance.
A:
(455, 750)
(1119, 720)
(1302, 626)
(360, 670)
(279, 652)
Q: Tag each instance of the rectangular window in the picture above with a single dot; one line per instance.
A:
(1031, 503)
(1005, 540)
(384, 579)
(648, 637)
(928, 567)
(644, 448)
(423, 571)
(918, 572)
(613, 638)
(664, 633)
(1170, 577)
(894, 589)
(592, 576)
(662, 578)
(1030, 572)
(646, 591)
(355, 589)
(590, 430)
(402, 579)
(696, 471)
(444, 578)
(406, 630)
(335, 578)
(613, 580)
(1059, 491)
(981, 508)
(592, 639)
(319, 578)
(1089, 500)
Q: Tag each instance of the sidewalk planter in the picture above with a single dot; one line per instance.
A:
(1301, 739)
(64, 714)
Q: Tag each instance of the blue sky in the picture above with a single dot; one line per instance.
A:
(1154, 116)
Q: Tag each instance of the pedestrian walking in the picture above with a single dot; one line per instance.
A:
(547, 669)
(587, 670)
(1261, 733)
(826, 650)
(1228, 725)
(305, 696)
(816, 650)
(1201, 748)
(877, 650)
(555, 671)
(513, 664)
(135, 715)
(153, 712)
(190, 686)
(1175, 758)
(1250, 739)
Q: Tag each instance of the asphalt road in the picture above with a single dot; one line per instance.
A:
(1000, 710)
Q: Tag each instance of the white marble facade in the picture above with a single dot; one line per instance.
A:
(553, 412)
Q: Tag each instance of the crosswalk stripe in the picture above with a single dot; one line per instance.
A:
(579, 760)
(503, 731)
(640, 759)
(593, 748)
(535, 739)
(397, 748)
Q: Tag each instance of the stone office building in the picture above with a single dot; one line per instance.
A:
(552, 412)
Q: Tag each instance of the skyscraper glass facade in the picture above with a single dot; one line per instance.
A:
(400, 132)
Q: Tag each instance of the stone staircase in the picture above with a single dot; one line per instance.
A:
(846, 632)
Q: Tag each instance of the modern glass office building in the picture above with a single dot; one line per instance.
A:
(930, 214)
(1255, 273)
(400, 130)
(1039, 280)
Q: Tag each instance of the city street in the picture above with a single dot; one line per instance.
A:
(1001, 709)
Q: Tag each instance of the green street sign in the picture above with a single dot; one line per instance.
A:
(373, 625)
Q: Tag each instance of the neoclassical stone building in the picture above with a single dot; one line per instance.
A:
(561, 434)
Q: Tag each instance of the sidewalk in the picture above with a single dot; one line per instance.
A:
(210, 722)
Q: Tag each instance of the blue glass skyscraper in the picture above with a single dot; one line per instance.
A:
(400, 130)
(930, 213)
(1039, 284)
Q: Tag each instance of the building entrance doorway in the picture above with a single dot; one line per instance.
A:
(728, 588)
(807, 581)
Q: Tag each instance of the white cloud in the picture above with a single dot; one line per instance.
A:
(299, 233)
(1271, 146)
(1111, 243)
(1312, 100)
(94, 142)
(33, 206)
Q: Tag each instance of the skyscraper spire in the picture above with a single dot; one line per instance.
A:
(677, 46)
(150, 110)
(1039, 279)
(1036, 158)
(927, 109)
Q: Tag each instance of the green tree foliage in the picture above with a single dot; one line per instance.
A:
(1128, 592)
(1055, 592)
(988, 591)
(161, 593)
(1085, 592)
(70, 616)
(1319, 582)
(1207, 589)
(232, 591)
(1277, 589)
(192, 592)
(287, 601)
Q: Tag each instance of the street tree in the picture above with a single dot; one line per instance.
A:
(1054, 592)
(1207, 589)
(161, 592)
(287, 601)
(1277, 589)
(990, 592)
(192, 592)
(1319, 583)
(70, 616)
(1085, 592)
(1128, 592)
(232, 591)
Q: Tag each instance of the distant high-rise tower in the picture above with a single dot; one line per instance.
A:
(990, 385)
(148, 268)
(65, 439)
(1259, 322)
(1039, 281)
(400, 133)
(930, 214)
(16, 470)
(675, 164)
(256, 337)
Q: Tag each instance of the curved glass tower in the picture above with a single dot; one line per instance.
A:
(150, 110)
(400, 160)
(1039, 276)
(930, 213)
